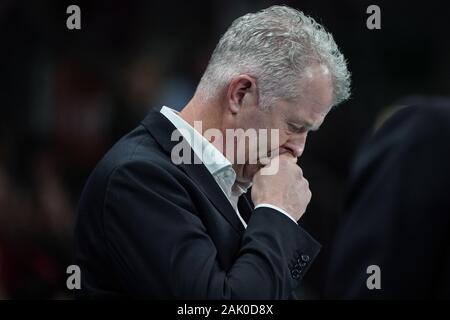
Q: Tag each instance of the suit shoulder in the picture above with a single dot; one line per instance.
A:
(136, 154)
(136, 149)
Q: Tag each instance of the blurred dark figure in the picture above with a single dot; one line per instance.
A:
(398, 210)
(35, 225)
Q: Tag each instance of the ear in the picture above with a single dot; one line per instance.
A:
(241, 90)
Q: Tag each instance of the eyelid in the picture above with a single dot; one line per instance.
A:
(298, 128)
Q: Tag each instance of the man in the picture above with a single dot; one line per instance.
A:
(151, 226)
(394, 240)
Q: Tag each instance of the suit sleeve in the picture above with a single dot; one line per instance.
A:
(152, 232)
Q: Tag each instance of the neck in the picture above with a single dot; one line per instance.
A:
(208, 113)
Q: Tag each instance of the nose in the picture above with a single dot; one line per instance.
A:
(298, 152)
(296, 144)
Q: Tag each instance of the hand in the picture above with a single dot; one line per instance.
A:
(286, 188)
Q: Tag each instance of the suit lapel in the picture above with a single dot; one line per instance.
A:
(161, 129)
(245, 207)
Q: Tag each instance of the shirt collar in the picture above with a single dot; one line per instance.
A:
(211, 157)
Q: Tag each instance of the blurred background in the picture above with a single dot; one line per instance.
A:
(67, 95)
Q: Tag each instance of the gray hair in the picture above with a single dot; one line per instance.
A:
(275, 45)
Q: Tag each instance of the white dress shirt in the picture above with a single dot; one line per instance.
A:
(216, 163)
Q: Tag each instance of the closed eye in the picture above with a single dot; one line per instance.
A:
(294, 128)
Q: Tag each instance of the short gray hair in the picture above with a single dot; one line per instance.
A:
(275, 45)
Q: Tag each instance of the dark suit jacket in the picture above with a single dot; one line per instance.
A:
(398, 210)
(149, 228)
